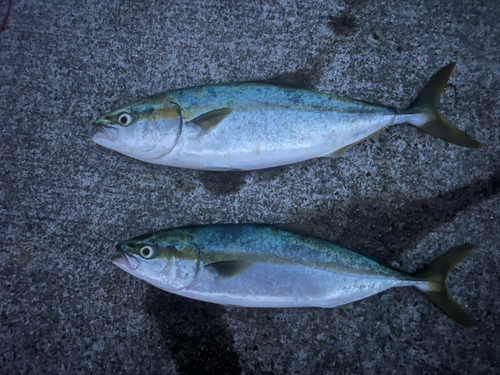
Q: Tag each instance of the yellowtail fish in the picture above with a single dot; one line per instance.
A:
(254, 125)
(274, 266)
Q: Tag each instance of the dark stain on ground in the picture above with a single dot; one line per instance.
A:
(385, 230)
(185, 186)
(307, 77)
(269, 174)
(222, 182)
(310, 74)
(344, 25)
(193, 333)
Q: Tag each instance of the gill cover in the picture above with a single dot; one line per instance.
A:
(152, 133)
(177, 274)
(165, 259)
(168, 274)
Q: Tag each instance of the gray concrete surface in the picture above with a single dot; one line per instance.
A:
(403, 196)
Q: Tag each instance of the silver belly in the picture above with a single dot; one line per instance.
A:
(253, 140)
(274, 285)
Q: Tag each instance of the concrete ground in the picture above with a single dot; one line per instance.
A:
(403, 196)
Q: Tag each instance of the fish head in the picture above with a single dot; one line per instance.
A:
(146, 130)
(165, 259)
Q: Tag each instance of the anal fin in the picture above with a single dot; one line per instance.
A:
(341, 152)
(344, 151)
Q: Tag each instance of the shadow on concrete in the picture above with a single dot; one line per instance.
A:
(398, 225)
(194, 333)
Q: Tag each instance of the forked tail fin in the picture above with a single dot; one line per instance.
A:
(435, 124)
(436, 274)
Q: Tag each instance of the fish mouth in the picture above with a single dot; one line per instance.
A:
(125, 261)
(105, 133)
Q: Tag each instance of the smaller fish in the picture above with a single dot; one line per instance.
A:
(254, 265)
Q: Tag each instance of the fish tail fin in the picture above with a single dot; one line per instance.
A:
(430, 120)
(435, 274)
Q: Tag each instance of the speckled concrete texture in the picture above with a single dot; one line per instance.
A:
(403, 196)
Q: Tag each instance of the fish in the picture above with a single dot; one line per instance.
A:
(256, 125)
(278, 266)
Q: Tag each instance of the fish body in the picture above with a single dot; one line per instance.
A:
(252, 125)
(269, 126)
(260, 266)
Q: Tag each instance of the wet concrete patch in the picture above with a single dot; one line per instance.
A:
(343, 25)
(222, 183)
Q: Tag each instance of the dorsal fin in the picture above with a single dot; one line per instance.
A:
(283, 82)
(296, 228)
(208, 121)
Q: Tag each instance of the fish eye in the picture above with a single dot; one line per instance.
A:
(146, 252)
(124, 119)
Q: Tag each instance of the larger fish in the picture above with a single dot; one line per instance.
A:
(244, 126)
(274, 266)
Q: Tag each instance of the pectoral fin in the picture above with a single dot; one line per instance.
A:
(208, 121)
(229, 268)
